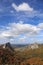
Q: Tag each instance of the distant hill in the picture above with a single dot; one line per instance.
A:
(26, 47)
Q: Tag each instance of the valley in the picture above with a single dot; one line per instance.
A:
(31, 54)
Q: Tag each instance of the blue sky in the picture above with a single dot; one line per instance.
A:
(21, 22)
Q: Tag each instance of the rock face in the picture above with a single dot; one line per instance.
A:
(30, 46)
(8, 46)
(6, 54)
(33, 46)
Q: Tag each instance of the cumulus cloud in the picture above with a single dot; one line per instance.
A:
(20, 28)
(22, 7)
(40, 25)
(14, 30)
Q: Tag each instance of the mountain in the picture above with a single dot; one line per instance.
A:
(27, 47)
(6, 54)
(33, 46)
(31, 54)
(7, 45)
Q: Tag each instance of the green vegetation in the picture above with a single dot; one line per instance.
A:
(21, 57)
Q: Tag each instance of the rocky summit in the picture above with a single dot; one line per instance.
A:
(6, 54)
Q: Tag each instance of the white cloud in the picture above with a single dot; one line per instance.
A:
(20, 28)
(40, 25)
(14, 30)
(22, 38)
(6, 34)
(22, 7)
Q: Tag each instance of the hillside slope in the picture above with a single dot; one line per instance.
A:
(25, 55)
(31, 56)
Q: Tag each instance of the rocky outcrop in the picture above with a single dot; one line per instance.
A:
(6, 54)
(33, 46)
